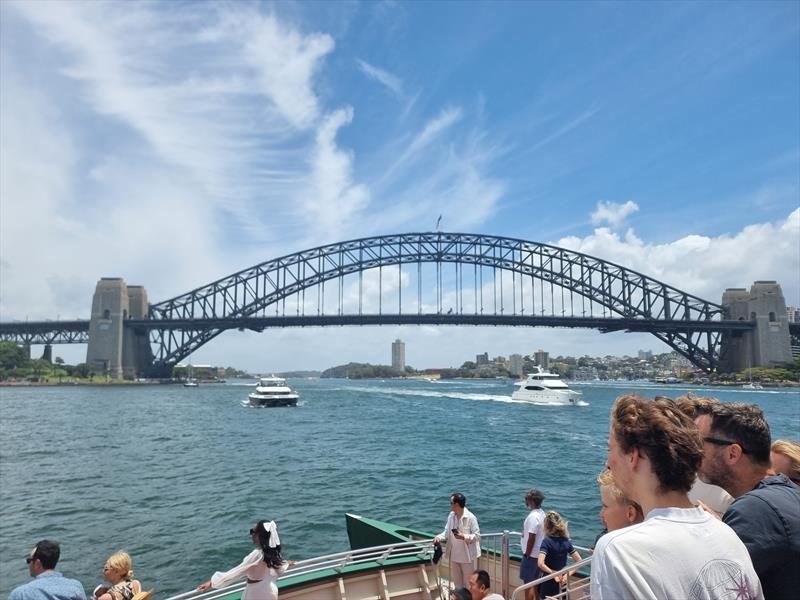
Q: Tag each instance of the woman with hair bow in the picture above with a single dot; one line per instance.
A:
(261, 567)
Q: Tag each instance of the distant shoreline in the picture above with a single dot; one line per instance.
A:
(114, 383)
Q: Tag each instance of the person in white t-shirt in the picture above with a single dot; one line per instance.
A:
(463, 537)
(679, 551)
(531, 541)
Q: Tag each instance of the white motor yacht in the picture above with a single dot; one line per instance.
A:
(273, 391)
(542, 387)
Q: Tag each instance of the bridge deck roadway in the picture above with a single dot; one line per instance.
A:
(603, 324)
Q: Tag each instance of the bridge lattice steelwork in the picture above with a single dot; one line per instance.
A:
(444, 278)
(422, 278)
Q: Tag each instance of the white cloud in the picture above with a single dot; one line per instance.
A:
(703, 265)
(392, 82)
(333, 196)
(613, 213)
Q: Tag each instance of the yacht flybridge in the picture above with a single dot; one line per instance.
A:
(542, 387)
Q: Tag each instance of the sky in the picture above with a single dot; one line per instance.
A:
(174, 143)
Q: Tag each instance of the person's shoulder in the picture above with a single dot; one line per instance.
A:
(494, 596)
(18, 593)
(620, 538)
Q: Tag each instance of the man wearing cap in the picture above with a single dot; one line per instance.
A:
(532, 536)
(48, 584)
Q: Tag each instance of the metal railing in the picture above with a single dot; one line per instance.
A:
(495, 559)
(572, 586)
(419, 549)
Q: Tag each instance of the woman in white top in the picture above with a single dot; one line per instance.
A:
(261, 567)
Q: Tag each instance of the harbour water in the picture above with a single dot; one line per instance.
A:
(176, 476)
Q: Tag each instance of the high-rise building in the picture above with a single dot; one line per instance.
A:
(792, 314)
(399, 355)
(515, 364)
(482, 359)
(645, 354)
(542, 359)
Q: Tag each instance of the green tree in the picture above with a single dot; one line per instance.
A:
(12, 356)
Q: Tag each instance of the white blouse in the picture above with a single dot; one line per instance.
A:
(255, 569)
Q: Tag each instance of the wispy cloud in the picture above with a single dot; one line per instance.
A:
(393, 83)
(613, 213)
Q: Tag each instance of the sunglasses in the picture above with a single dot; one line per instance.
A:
(30, 559)
(252, 530)
(719, 442)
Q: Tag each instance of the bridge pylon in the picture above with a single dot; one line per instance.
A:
(115, 350)
(768, 344)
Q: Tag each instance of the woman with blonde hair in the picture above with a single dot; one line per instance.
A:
(785, 458)
(119, 573)
(553, 553)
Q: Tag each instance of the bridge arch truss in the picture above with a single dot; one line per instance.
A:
(462, 278)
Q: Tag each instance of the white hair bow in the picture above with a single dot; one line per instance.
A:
(271, 528)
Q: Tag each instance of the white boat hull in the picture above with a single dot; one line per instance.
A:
(569, 397)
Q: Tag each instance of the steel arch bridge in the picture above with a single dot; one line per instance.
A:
(438, 278)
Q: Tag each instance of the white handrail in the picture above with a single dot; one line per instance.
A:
(336, 562)
(566, 570)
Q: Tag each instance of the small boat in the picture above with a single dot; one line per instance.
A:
(273, 391)
(752, 386)
(190, 380)
(542, 387)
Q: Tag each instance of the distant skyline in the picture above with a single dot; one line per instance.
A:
(173, 143)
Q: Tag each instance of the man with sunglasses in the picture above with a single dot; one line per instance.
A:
(766, 511)
(48, 584)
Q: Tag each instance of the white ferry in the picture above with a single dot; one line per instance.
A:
(273, 391)
(542, 387)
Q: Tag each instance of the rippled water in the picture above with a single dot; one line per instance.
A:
(177, 476)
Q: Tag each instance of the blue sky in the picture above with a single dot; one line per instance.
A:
(172, 143)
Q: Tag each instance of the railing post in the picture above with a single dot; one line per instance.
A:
(505, 565)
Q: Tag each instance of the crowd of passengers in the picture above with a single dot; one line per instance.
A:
(697, 504)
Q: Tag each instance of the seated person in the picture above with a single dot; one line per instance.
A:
(117, 571)
(460, 594)
(479, 586)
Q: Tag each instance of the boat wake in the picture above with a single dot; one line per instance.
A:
(388, 391)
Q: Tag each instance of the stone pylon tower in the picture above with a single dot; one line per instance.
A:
(113, 349)
(768, 345)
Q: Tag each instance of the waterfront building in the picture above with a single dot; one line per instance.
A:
(645, 354)
(399, 355)
(482, 359)
(542, 359)
(793, 314)
(515, 364)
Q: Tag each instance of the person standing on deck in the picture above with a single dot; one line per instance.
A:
(48, 584)
(679, 550)
(463, 536)
(261, 568)
(532, 536)
(766, 511)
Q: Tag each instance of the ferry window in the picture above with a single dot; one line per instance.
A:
(534, 388)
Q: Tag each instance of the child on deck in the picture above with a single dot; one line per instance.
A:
(553, 552)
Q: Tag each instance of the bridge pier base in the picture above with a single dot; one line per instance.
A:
(115, 350)
(768, 345)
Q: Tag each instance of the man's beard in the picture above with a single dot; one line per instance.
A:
(716, 472)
